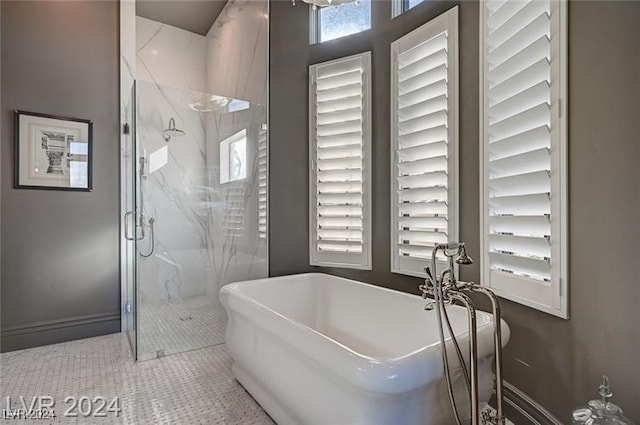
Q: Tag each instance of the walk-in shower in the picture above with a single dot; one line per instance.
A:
(198, 219)
(194, 167)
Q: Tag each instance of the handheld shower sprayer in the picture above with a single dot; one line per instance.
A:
(143, 221)
(445, 289)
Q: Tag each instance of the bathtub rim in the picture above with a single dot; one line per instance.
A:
(484, 318)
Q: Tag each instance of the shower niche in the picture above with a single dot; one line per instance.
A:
(196, 176)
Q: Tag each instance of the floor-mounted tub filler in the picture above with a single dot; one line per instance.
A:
(319, 349)
(445, 289)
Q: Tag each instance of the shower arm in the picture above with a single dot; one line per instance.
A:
(453, 291)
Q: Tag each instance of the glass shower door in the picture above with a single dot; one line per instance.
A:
(128, 200)
(201, 212)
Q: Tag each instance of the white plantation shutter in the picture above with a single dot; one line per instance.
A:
(340, 162)
(262, 182)
(524, 151)
(233, 221)
(424, 133)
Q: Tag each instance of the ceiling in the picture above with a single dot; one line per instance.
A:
(196, 16)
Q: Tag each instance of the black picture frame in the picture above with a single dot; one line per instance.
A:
(59, 136)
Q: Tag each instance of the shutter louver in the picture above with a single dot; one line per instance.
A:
(423, 137)
(262, 183)
(339, 173)
(233, 222)
(523, 228)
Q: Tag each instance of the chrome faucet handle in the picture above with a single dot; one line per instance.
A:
(427, 287)
(425, 291)
(427, 270)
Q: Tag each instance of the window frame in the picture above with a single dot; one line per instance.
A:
(559, 287)
(398, 7)
(363, 261)
(447, 21)
(225, 155)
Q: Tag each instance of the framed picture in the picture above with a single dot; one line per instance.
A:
(52, 152)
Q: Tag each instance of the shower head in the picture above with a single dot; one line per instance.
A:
(172, 131)
(463, 258)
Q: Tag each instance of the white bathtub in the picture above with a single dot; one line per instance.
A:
(319, 349)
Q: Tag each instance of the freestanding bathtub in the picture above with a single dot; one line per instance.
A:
(319, 349)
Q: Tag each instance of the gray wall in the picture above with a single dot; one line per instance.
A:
(0, 178)
(60, 274)
(556, 362)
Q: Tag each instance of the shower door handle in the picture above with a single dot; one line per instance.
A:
(126, 226)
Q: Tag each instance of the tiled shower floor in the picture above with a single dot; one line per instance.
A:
(177, 327)
(189, 388)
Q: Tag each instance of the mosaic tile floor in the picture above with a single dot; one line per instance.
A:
(188, 388)
(190, 324)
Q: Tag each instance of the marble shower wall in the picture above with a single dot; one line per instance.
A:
(237, 57)
(236, 231)
(170, 66)
(208, 233)
(170, 56)
(174, 189)
(237, 51)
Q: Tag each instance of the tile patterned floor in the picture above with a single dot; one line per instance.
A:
(189, 388)
(191, 324)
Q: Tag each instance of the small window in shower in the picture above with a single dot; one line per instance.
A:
(233, 157)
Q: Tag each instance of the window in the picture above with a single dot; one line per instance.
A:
(331, 22)
(233, 170)
(523, 133)
(340, 162)
(400, 6)
(424, 142)
(233, 157)
(409, 4)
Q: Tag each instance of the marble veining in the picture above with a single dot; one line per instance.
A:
(237, 51)
(170, 56)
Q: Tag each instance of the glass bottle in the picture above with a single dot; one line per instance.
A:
(600, 412)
